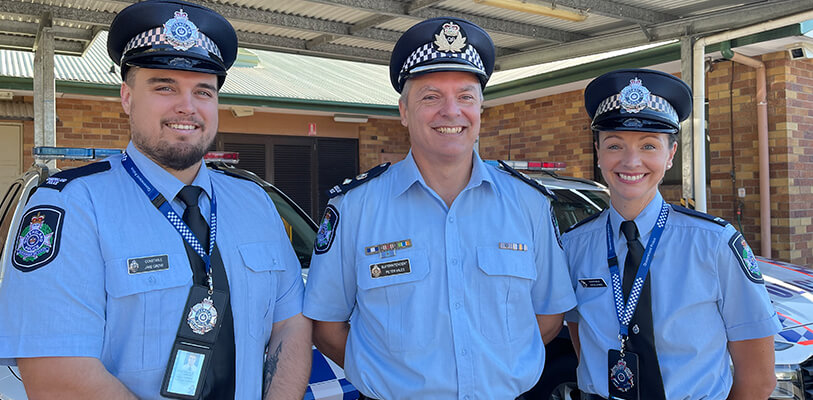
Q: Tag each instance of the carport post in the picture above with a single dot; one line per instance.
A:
(686, 132)
(44, 90)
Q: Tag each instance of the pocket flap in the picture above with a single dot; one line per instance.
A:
(261, 256)
(392, 270)
(120, 282)
(500, 262)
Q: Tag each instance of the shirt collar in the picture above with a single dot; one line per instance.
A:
(166, 183)
(406, 174)
(645, 220)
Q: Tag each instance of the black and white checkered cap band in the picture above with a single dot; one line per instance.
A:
(428, 52)
(156, 36)
(656, 103)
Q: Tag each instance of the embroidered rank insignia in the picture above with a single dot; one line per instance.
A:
(745, 256)
(327, 230)
(348, 183)
(513, 246)
(388, 249)
(450, 38)
(37, 242)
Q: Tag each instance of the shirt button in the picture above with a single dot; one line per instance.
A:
(454, 261)
(451, 219)
(464, 352)
(457, 305)
(151, 280)
(466, 397)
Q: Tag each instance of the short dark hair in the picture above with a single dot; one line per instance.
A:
(130, 75)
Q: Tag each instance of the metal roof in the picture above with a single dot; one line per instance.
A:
(365, 30)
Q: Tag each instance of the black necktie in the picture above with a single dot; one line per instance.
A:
(641, 333)
(219, 382)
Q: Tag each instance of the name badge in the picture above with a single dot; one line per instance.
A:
(147, 264)
(397, 267)
(593, 283)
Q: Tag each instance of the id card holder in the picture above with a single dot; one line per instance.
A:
(622, 372)
(194, 343)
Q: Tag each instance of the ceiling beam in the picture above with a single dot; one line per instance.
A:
(26, 43)
(613, 9)
(700, 25)
(299, 46)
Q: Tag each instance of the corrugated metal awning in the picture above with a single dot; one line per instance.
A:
(16, 110)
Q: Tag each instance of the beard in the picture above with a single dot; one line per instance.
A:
(178, 156)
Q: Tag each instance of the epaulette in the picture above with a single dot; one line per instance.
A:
(232, 174)
(60, 179)
(348, 183)
(582, 222)
(529, 181)
(698, 214)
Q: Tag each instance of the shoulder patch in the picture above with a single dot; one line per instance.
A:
(60, 179)
(327, 230)
(745, 257)
(584, 221)
(698, 214)
(535, 184)
(348, 183)
(38, 238)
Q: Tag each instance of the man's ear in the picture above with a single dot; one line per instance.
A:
(402, 109)
(126, 99)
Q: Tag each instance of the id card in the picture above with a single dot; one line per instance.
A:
(186, 371)
(622, 372)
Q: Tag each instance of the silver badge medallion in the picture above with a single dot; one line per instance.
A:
(180, 32)
(202, 317)
(634, 97)
(450, 38)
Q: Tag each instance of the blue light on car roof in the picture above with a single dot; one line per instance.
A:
(72, 153)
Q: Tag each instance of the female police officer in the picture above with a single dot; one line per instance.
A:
(665, 294)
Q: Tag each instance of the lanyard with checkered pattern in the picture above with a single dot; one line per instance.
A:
(162, 205)
(625, 313)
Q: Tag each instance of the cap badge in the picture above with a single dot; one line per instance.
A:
(450, 38)
(634, 97)
(180, 32)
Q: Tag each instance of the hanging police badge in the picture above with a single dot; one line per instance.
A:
(634, 97)
(37, 242)
(621, 376)
(745, 257)
(450, 38)
(623, 369)
(180, 32)
(202, 317)
(327, 230)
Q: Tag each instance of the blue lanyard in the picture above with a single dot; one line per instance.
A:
(158, 200)
(625, 313)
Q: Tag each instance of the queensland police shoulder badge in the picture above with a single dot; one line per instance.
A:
(327, 230)
(745, 257)
(38, 238)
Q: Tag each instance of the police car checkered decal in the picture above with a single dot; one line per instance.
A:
(656, 103)
(327, 381)
(156, 36)
(793, 331)
(427, 52)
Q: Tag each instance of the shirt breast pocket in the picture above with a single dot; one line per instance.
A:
(143, 312)
(504, 293)
(264, 265)
(396, 306)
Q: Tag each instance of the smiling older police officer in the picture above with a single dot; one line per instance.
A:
(669, 297)
(117, 278)
(448, 270)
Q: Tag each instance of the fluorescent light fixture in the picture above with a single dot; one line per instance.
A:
(534, 8)
(6, 95)
(358, 119)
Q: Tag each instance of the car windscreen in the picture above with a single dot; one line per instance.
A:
(300, 231)
(574, 205)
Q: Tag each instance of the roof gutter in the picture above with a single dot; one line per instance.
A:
(699, 116)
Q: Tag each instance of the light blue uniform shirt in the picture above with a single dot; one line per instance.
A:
(462, 322)
(701, 300)
(85, 303)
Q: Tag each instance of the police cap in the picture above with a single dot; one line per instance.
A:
(172, 34)
(639, 100)
(442, 44)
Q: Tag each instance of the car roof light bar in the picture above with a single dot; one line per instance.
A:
(228, 157)
(72, 153)
(531, 165)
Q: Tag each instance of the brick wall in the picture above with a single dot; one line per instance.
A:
(382, 140)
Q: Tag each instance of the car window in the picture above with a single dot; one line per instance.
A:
(575, 205)
(300, 231)
(7, 207)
